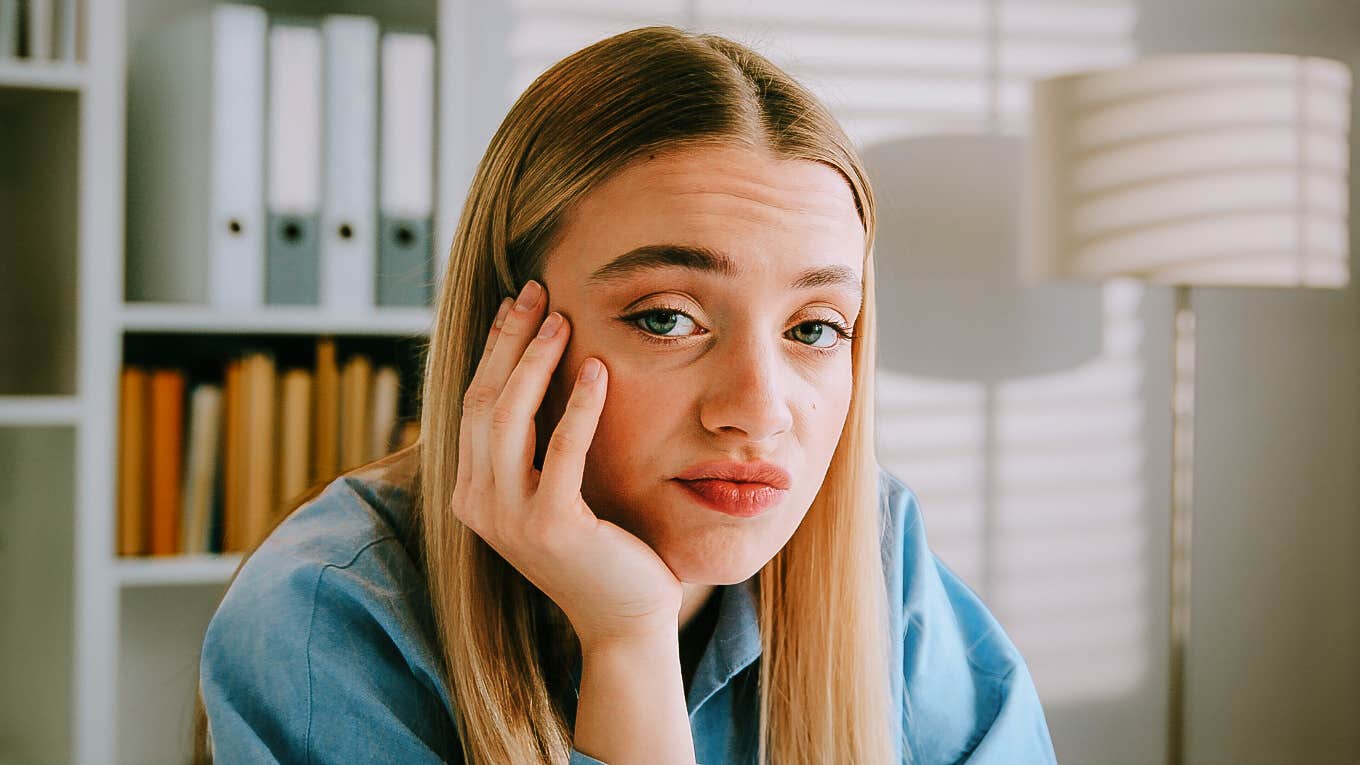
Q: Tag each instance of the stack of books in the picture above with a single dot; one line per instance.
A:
(207, 470)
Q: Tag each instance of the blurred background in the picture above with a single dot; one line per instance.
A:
(141, 363)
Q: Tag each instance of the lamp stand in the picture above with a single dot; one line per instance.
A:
(1182, 515)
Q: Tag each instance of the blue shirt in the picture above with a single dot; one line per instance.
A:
(323, 651)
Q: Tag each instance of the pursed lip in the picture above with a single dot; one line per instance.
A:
(766, 473)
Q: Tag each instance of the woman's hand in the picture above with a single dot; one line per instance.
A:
(610, 584)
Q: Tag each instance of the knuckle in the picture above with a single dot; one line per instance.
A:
(480, 397)
(564, 443)
(502, 414)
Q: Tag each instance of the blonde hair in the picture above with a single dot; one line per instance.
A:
(824, 670)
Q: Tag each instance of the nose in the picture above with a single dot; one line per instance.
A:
(746, 393)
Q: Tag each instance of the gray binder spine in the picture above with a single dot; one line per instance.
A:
(293, 260)
(405, 275)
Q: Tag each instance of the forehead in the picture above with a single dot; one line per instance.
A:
(766, 214)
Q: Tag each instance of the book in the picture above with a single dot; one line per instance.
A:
(201, 467)
(259, 402)
(132, 468)
(295, 434)
(386, 390)
(166, 457)
(355, 422)
(326, 421)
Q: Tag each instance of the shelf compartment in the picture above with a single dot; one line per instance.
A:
(38, 154)
(37, 567)
(160, 637)
(175, 317)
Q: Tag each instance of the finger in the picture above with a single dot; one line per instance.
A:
(512, 419)
(466, 435)
(564, 460)
(521, 323)
(493, 333)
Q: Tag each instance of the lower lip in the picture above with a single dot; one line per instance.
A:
(743, 500)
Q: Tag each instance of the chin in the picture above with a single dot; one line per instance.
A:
(697, 564)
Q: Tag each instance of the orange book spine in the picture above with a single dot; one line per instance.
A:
(326, 415)
(231, 460)
(260, 445)
(295, 434)
(167, 456)
(132, 472)
(355, 423)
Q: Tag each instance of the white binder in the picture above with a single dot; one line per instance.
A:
(9, 29)
(406, 169)
(349, 208)
(294, 165)
(196, 159)
(39, 29)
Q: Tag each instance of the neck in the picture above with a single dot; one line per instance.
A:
(693, 600)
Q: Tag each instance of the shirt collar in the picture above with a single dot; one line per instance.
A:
(733, 646)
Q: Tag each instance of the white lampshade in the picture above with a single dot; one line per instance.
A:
(1210, 170)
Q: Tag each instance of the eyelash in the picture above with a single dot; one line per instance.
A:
(632, 319)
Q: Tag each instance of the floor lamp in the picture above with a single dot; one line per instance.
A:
(1222, 170)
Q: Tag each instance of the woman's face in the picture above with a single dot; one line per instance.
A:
(741, 363)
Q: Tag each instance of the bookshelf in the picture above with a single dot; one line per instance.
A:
(99, 652)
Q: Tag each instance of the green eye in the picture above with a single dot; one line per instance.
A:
(658, 324)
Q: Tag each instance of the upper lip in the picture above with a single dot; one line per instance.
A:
(742, 472)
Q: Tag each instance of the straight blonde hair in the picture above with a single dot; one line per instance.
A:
(824, 670)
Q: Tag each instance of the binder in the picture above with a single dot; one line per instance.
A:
(349, 207)
(66, 20)
(39, 29)
(294, 173)
(195, 165)
(9, 29)
(406, 184)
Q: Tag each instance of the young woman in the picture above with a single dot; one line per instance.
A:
(644, 521)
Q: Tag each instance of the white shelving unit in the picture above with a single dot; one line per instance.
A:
(98, 653)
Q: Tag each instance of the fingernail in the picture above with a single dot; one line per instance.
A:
(590, 370)
(528, 296)
(550, 325)
(500, 314)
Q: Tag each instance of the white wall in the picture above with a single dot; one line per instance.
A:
(1275, 658)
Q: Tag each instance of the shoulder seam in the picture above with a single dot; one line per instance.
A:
(311, 623)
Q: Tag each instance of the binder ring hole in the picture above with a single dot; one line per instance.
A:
(292, 232)
(346, 231)
(234, 225)
(405, 237)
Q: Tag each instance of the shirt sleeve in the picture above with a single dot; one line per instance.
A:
(300, 664)
(582, 759)
(1018, 734)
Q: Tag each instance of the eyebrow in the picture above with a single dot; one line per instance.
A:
(707, 260)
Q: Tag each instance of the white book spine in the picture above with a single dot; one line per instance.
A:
(407, 125)
(200, 469)
(349, 209)
(295, 72)
(237, 258)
